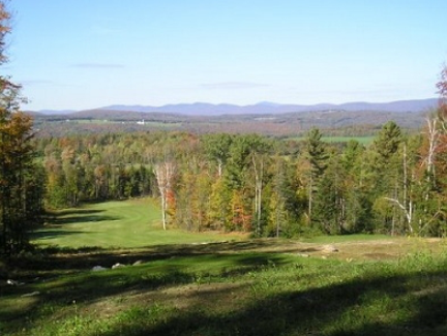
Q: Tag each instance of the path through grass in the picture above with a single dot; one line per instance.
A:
(126, 224)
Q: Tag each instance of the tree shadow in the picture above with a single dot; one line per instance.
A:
(289, 312)
(51, 234)
(310, 312)
(68, 212)
(270, 244)
(55, 260)
(59, 221)
(70, 216)
(90, 286)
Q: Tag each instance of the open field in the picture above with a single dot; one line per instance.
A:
(364, 140)
(172, 283)
(149, 124)
(259, 287)
(127, 224)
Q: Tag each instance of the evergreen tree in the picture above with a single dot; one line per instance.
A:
(387, 166)
(316, 154)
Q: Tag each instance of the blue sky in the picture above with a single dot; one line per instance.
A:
(84, 54)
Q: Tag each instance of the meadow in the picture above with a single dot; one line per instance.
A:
(364, 140)
(179, 283)
(123, 224)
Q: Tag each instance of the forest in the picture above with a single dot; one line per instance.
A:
(244, 182)
(318, 222)
(252, 183)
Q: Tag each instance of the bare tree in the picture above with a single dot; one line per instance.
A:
(164, 172)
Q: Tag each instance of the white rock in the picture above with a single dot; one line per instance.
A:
(118, 265)
(31, 294)
(98, 268)
(13, 282)
(330, 248)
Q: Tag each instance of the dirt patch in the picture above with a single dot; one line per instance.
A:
(392, 248)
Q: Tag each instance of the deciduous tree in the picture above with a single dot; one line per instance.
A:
(18, 189)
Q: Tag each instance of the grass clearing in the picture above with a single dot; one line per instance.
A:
(364, 140)
(365, 285)
(256, 287)
(345, 238)
(124, 224)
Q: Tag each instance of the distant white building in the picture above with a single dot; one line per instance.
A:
(141, 122)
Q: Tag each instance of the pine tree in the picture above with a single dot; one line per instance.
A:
(317, 156)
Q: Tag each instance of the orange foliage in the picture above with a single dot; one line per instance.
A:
(242, 218)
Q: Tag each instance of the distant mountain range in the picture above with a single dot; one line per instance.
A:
(205, 109)
(50, 112)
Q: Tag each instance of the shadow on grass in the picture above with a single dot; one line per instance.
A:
(340, 309)
(52, 234)
(58, 221)
(88, 287)
(54, 261)
(365, 305)
(58, 218)
(269, 244)
(54, 258)
(70, 212)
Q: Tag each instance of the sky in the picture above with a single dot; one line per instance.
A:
(83, 54)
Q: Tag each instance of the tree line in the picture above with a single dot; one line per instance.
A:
(262, 185)
(21, 188)
(231, 182)
(249, 183)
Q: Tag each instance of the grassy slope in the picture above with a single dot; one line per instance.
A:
(257, 287)
(264, 287)
(121, 224)
(364, 140)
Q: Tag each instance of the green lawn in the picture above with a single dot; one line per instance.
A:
(371, 285)
(151, 124)
(126, 224)
(345, 238)
(364, 140)
(227, 289)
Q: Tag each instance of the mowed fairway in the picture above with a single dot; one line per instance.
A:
(133, 223)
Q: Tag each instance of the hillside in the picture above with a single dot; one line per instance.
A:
(206, 109)
(335, 122)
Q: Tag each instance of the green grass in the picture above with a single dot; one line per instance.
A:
(345, 238)
(372, 285)
(133, 223)
(365, 140)
(225, 290)
(150, 124)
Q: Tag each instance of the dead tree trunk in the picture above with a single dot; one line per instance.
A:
(163, 173)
